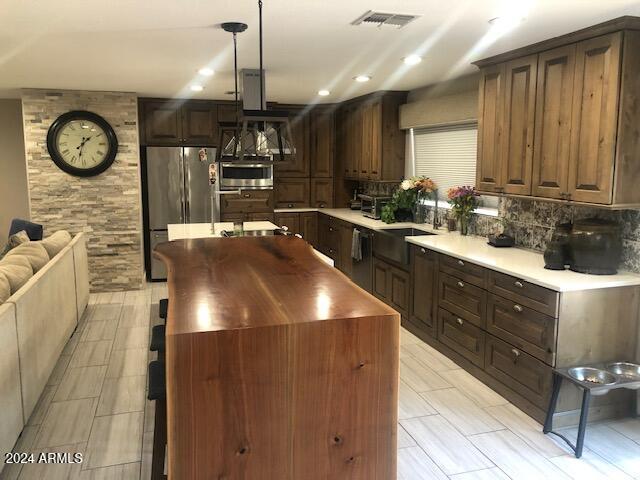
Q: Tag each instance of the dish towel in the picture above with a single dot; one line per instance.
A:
(356, 245)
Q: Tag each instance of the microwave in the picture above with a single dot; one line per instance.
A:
(372, 205)
(246, 175)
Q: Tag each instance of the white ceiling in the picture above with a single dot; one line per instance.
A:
(155, 47)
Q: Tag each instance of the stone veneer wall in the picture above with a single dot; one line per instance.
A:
(106, 207)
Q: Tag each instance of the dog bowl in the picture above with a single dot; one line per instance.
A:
(629, 371)
(592, 375)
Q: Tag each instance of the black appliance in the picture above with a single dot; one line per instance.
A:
(362, 270)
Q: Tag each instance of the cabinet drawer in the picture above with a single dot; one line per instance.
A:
(463, 299)
(249, 201)
(292, 192)
(461, 336)
(519, 371)
(328, 237)
(524, 293)
(527, 329)
(468, 272)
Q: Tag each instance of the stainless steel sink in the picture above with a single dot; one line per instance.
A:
(389, 243)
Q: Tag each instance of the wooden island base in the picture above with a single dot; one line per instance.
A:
(278, 367)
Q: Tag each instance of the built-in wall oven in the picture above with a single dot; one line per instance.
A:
(246, 175)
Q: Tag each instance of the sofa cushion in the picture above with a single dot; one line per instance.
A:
(14, 240)
(18, 271)
(34, 252)
(56, 242)
(5, 288)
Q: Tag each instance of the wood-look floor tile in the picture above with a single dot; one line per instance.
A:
(42, 406)
(611, 445)
(103, 312)
(474, 388)
(135, 337)
(420, 377)
(629, 427)
(90, 354)
(54, 471)
(486, 474)
(71, 345)
(149, 415)
(134, 316)
(121, 395)
(128, 471)
(147, 455)
(25, 443)
(100, 330)
(461, 412)
(404, 439)
(414, 464)
(446, 446)
(115, 439)
(58, 371)
(590, 465)
(67, 423)
(430, 357)
(124, 363)
(514, 457)
(528, 429)
(81, 382)
(411, 404)
(407, 338)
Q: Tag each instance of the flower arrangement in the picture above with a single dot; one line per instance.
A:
(463, 201)
(405, 198)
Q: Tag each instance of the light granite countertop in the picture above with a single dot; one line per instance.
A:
(525, 264)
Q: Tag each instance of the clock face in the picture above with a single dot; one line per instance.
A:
(82, 143)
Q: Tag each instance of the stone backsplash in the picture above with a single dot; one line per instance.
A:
(105, 207)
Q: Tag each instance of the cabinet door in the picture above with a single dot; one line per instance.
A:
(490, 107)
(366, 125)
(461, 336)
(162, 123)
(292, 192)
(289, 220)
(296, 165)
(399, 290)
(260, 217)
(375, 160)
(345, 235)
(322, 193)
(200, 123)
(322, 138)
(355, 140)
(424, 280)
(227, 112)
(552, 144)
(381, 277)
(519, 122)
(248, 201)
(595, 110)
(309, 227)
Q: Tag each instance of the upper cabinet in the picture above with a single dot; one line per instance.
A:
(175, 122)
(322, 142)
(559, 119)
(297, 164)
(371, 145)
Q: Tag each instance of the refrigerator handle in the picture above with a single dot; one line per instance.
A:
(183, 197)
(187, 188)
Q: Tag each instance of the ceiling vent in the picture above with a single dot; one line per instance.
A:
(378, 19)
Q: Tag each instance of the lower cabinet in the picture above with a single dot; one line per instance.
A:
(462, 336)
(247, 202)
(392, 285)
(424, 279)
(292, 192)
(247, 217)
(289, 220)
(309, 227)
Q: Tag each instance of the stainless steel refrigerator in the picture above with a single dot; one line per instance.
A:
(178, 191)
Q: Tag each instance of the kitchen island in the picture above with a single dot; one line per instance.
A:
(278, 367)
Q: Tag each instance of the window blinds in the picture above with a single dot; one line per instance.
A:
(447, 155)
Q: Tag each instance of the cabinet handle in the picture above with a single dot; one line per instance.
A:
(247, 195)
(422, 250)
(461, 263)
(518, 284)
(321, 205)
(460, 321)
(331, 229)
(516, 353)
(290, 205)
(461, 284)
(517, 308)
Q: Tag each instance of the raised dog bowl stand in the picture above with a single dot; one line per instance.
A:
(604, 380)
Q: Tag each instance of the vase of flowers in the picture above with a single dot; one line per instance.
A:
(463, 201)
(402, 205)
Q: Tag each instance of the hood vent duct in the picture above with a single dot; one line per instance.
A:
(379, 19)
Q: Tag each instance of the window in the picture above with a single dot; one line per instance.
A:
(448, 156)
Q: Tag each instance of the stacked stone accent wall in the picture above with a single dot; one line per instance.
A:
(106, 207)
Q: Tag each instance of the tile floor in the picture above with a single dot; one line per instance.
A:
(451, 426)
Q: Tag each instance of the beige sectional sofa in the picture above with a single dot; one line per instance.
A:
(36, 322)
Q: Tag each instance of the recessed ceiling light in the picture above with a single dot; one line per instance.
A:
(324, 93)
(362, 78)
(206, 71)
(412, 59)
(196, 88)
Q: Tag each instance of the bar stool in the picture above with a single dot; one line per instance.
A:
(158, 393)
(163, 307)
(158, 340)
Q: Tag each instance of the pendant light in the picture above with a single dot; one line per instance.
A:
(259, 134)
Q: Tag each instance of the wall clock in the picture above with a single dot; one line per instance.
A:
(82, 143)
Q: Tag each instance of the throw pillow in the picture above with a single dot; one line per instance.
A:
(56, 242)
(5, 289)
(34, 252)
(18, 271)
(15, 240)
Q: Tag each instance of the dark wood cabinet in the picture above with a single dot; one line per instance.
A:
(297, 164)
(200, 123)
(309, 227)
(490, 111)
(292, 192)
(173, 122)
(328, 237)
(461, 336)
(392, 285)
(289, 220)
(424, 278)
(260, 217)
(321, 142)
(162, 122)
(321, 195)
(463, 299)
(248, 201)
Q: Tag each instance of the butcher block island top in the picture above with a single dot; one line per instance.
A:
(278, 366)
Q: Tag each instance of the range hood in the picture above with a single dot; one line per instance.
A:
(258, 134)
